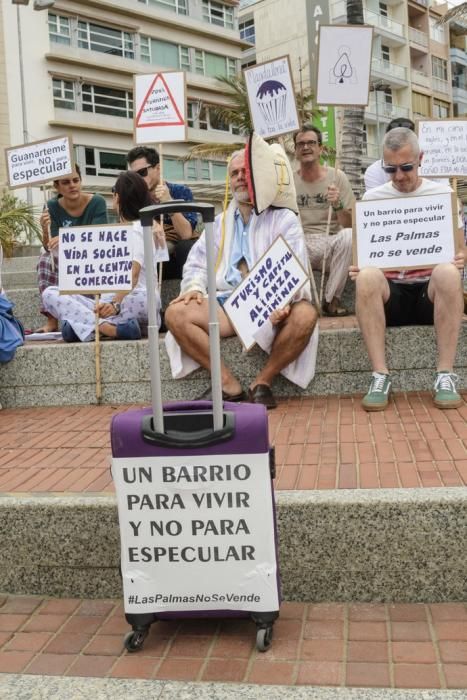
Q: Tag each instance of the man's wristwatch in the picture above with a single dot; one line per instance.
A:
(117, 306)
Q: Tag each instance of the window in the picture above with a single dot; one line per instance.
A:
(164, 53)
(178, 6)
(439, 67)
(420, 104)
(385, 55)
(383, 9)
(440, 109)
(247, 30)
(59, 29)
(64, 94)
(197, 115)
(173, 169)
(214, 65)
(103, 100)
(437, 33)
(95, 37)
(219, 171)
(217, 13)
(99, 162)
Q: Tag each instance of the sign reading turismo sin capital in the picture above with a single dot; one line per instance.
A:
(193, 533)
(38, 162)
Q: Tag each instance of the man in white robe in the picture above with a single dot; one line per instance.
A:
(240, 242)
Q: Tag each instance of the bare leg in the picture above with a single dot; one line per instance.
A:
(291, 339)
(372, 292)
(189, 325)
(445, 291)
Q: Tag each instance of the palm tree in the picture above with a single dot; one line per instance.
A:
(237, 114)
(456, 13)
(17, 223)
(352, 127)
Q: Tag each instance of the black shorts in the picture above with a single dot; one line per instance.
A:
(408, 305)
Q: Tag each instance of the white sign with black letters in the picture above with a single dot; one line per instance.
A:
(196, 533)
(38, 162)
(95, 259)
(270, 285)
(406, 232)
(444, 146)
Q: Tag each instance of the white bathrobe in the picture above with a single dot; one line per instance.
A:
(263, 231)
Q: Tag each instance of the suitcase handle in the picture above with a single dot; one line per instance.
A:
(147, 214)
(195, 432)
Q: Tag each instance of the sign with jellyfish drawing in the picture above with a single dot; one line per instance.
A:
(271, 98)
(344, 63)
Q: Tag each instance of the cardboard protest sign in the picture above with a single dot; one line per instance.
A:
(406, 232)
(270, 285)
(95, 259)
(196, 533)
(160, 107)
(41, 161)
(444, 146)
(271, 97)
(344, 64)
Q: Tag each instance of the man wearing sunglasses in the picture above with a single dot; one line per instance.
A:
(178, 227)
(318, 187)
(375, 175)
(409, 297)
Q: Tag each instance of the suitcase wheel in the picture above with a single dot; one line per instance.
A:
(263, 638)
(134, 640)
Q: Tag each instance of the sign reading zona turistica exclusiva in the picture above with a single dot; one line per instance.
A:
(196, 533)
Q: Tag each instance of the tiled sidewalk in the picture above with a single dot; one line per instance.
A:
(321, 443)
(362, 645)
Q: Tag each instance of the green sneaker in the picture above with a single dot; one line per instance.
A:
(378, 394)
(444, 391)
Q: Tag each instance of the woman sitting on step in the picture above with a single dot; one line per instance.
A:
(120, 312)
(71, 207)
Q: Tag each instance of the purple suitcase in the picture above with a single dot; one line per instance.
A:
(195, 478)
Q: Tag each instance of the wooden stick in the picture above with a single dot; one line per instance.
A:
(161, 221)
(98, 354)
(52, 261)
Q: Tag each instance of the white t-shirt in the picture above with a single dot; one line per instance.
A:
(375, 176)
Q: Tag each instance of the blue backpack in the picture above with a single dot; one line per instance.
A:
(11, 330)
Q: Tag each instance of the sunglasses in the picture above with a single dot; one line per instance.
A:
(405, 167)
(304, 144)
(66, 183)
(144, 171)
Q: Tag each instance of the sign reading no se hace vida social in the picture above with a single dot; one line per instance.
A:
(406, 232)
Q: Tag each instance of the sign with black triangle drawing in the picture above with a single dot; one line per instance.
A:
(160, 107)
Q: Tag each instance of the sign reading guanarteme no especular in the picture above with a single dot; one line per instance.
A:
(38, 162)
(196, 533)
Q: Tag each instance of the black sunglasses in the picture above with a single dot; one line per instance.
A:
(144, 171)
(391, 169)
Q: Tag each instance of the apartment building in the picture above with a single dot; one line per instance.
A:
(458, 55)
(410, 70)
(79, 59)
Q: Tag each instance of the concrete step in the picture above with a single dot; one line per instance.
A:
(55, 374)
(404, 545)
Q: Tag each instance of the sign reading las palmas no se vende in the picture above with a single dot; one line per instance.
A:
(38, 162)
(407, 232)
(95, 259)
(196, 533)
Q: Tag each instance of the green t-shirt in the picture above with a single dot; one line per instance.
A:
(95, 213)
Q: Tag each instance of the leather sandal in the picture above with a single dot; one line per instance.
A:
(261, 393)
(207, 396)
(340, 311)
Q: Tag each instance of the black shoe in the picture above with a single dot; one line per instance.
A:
(207, 396)
(262, 393)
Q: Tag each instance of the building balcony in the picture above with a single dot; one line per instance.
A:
(421, 79)
(418, 38)
(391, 73)
(394, 32)
(371, 151)
(459, 96)
(440, 85)
(458, 56)
(383, 112)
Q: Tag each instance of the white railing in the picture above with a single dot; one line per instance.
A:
(440, 85)
(420, 78)
(388, 69)
(371, 150)
(383, 109)
(383, 22)
(418, 37)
